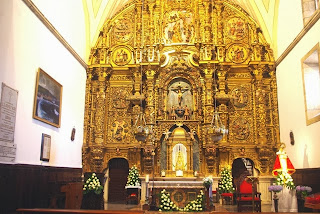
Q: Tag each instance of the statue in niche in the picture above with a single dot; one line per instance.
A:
(179, 156)
(179, 93)
(173, 115)
(180, 160)
(186, 113)
(180, 99)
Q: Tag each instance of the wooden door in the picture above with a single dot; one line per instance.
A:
(118, 173)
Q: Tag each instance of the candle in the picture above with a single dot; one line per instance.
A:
(147, 178)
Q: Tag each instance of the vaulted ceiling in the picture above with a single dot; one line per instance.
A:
(264, 12)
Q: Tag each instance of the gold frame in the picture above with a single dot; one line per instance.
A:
(51, 95)
(315, 119)
(45, 147)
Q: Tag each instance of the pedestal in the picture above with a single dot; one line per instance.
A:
(209, 205)
(287, 201)
(276, 200)
(133, 194)
(92, 201)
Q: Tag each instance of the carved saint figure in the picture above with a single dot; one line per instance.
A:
(186, 113)
(173, 113)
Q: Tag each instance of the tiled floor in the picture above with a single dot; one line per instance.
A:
(218, 207)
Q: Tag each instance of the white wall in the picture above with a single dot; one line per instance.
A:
(305, 152)
(26, 45)
(68, 18)
(290, 23)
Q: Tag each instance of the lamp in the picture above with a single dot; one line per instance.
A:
(216, 130)
(140, 129)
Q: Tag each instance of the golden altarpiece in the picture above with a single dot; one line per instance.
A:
(172, 64)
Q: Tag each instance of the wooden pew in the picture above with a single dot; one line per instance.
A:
(73, 211)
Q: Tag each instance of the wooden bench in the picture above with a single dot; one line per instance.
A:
(73, 211)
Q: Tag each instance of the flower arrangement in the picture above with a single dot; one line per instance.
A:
(225, 183)
(285, 179)
(193, 206)
(303, 191)
(92, 185)
(207, 182)
(275, 188)
(165, 202)
(133, 177)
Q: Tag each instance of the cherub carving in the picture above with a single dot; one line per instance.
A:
(166, 137)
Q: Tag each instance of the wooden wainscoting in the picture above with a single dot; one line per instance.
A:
(32, 186)
(308, 177)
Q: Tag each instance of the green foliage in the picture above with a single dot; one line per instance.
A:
(225, 183)
(133, 177)
(92, 185)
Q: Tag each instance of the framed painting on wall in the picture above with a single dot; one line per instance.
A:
(47, 99)
(45, 147)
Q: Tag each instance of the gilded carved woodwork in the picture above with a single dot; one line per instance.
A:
(195, 56)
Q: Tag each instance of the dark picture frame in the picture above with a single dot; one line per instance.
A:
(47, 99)
(45, 147)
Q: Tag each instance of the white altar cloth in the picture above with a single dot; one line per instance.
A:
(177, 184)
(287, 201)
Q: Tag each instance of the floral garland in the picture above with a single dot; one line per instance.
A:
(92, 185)
(193, 206)
(133, 177)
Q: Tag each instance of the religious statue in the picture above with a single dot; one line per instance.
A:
(282, 163)
(173, 115)
(186, 113)
(180, 165)
(179, 95)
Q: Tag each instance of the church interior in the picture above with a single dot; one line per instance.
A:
(152, 99)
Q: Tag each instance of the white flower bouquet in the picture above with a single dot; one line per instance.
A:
(92, 185)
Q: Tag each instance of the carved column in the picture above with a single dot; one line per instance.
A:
(274, 107)
(207, 27)
(138, 23)
(208, 107)
(97, 152)
(260, 106)
(208, 94)
(223, 98)
(150, 97)
(221, 48)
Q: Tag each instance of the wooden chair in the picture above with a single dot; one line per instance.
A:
(227, 197)
(245, 201)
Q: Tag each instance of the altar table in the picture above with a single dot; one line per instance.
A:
(181, 192)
